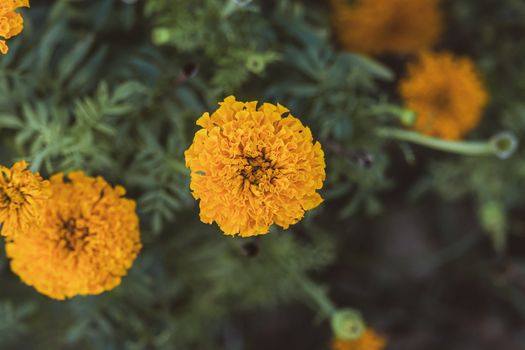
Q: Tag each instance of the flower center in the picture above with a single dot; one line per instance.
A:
(441, 101)
(73, 235)
(10, 196)
(257, 170)
(4, 198)
(394, 26)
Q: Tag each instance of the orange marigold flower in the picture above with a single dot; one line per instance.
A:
(446, 93)
(22, 197)
(370, 340)
(11, 22)
(88, 239)
(387, 26)
(252, 167)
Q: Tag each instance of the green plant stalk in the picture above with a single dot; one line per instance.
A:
(471, 148)
(319, 296)
(406, 117)
(346, 323)
(314, 291)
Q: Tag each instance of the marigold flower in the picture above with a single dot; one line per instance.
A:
(447, 94)
(22, 197)
(370, 340)
(88, 239)
(11, 22)
(252, 167)
(387, 26)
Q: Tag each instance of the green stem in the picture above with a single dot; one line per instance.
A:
(314, 291)
(319, 296)
(387, 109)
(406, 117)
(346, 323)
(471, 148)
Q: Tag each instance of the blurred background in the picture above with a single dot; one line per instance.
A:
(427, 245)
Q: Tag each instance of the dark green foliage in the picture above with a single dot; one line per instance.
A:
(114, 88)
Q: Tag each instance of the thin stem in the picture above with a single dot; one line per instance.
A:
(471, 148)
(316, 293)
(319, 295)
(387, 109)
(405, 116)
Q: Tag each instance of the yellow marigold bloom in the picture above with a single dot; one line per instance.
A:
(11, 22)
(446, 93)
(387, 26)
(252, 167)
(22, 197)
(88, 239)
(370, 340)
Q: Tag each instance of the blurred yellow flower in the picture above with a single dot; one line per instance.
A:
(370, 340)
(253, 167)
(22, 197)
(446, 93)
(88, 239)
(11, 22)
(387, 26)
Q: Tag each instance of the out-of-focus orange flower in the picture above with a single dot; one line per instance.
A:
(88, 239)
(23, 194)
(11, 22)
(370, 340)
(446, 93)
(387, 26)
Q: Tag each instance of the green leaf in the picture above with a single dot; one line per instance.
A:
(10, 121)
(371, 66)
(72, 60)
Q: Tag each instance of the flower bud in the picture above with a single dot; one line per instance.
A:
(347, 324)
(505, 144)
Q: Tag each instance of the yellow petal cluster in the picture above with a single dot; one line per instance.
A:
(446, 93)
(387, 26)
(22, 197)
(11, 22)
(370, 340)
(87, 240)
(254, 166)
